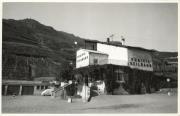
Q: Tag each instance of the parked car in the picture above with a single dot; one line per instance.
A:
(47, 92)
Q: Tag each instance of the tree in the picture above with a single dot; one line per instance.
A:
(66, 73)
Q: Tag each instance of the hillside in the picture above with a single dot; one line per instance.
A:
(31, 49)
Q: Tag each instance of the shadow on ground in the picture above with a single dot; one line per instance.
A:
(115, 107)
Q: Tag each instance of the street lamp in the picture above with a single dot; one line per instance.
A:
(168, 80)
(75, 42)
(169, 92)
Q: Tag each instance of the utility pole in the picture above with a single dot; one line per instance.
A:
(123, 40)
(111, 36)
(75, 47)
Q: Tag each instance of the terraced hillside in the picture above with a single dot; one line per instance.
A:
(31, 49)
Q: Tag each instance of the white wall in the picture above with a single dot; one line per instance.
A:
(82, 58)
(117, 55)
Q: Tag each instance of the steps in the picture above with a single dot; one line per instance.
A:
(58, 92)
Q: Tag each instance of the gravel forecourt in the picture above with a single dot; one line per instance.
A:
(147, 103)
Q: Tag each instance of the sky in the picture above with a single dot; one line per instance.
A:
(147, 25)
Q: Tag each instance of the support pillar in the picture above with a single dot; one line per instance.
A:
(6, 87)
(35, 89)
(20, 90)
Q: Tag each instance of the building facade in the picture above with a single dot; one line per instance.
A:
(129, 67)
(86, 57)
(116, 55)
(23, 87)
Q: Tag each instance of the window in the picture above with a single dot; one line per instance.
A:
(95, 61)
(138, 60)
(131, 59)
(135, 59)
(130, 63)
(149, 65)
(120, 75)
(90, 45)
(42, 87)
(141, 64)
(134, 63)
(37, 87)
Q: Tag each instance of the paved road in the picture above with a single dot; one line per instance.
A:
(149, 103)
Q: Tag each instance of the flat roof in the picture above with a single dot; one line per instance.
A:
(125, 46)
(22, 82)
(45, 78)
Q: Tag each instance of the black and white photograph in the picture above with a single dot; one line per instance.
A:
(89, 58)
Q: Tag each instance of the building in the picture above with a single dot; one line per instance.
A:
(104, 53)
(118, 65)
(89, 57)
(23, 87)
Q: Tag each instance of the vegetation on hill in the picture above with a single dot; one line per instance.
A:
(31, 49)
